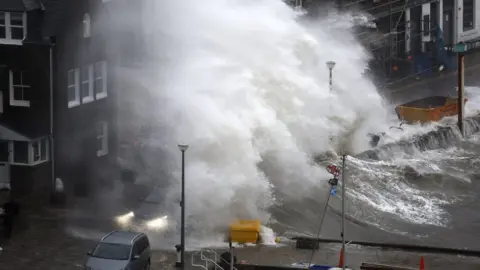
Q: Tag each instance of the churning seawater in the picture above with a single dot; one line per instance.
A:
(245, 84)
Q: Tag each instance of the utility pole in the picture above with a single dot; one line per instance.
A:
(183, 148)
(330, 66)
(232, 256)
(344, 157)
(299, 4)
(461, 93)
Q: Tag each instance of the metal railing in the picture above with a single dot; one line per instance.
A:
(210, 258)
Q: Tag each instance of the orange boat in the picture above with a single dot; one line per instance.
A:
(429, 109)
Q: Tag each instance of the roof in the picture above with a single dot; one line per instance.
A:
(120, 237)
(20, 5)
(12, 5)
(53, 12)
(11, 135)
(32, 4)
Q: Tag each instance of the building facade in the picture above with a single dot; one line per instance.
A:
(84, 102)
(25, 91)
(418, 38)
(57, 98)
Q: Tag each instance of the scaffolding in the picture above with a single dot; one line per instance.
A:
(406, 42)
(403, 35)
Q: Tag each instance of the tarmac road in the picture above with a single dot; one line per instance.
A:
(42, 242)
(442, 85)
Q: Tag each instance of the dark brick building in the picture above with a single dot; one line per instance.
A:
(25, 90)
(57, 97)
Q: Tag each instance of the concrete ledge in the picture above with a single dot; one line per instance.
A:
(377, 266)
(405, 247)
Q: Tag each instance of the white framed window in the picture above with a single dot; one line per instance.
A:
(73, 87)
(19, 88)
(86, 25)
(102, 138)
(27, 153)
(100, 79)
(13, 27)
(87, 83)
(39, 151)
(468, 15)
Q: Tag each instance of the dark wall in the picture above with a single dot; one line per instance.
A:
(32, 121)
(75, 128)
(27, 181)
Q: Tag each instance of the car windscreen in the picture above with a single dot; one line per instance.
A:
(112, 251)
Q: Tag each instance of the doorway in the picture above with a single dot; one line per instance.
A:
(448, 27)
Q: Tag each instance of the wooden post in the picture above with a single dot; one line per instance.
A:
(461, 95)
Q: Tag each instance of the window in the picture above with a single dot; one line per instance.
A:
(25, 153)
(426, 25)
(112, 251)
(102, 138)
(87, 84)
(19, 88)
(39, 151)
(12, 27)
(4, 151)
(20, 153)
(86, 25)
(468, 15)
(73, 88)
(100, 79)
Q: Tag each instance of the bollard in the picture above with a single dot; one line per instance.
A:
(422, 263)
(178, 263)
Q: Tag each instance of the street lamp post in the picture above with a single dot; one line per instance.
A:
(344, 157)
(183, 148)
(330, 65)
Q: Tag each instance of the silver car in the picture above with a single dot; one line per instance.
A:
(120, 250)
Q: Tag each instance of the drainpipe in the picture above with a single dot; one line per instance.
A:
(52, 146)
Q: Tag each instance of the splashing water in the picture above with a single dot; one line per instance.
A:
(245, 84)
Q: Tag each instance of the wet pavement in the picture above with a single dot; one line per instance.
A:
(42, 240)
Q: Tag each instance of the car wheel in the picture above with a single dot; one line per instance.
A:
(147, 267)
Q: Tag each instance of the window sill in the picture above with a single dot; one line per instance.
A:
(11, 41)
(21, 164)
(20, 103)
(101, 153)
(87, 99)
(38, 162)
(74, 103)
(101, 95)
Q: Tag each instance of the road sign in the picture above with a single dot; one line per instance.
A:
(333, 192)
(460, 47)
(333, 181)
(334, 170)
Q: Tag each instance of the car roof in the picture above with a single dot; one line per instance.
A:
(121, 237)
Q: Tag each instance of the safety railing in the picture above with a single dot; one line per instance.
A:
(209, 258)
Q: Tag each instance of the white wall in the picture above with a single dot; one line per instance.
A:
(471, 34)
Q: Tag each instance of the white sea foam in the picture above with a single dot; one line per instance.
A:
(245, 84)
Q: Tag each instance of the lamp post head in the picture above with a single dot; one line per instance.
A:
(330, 65)
(183, 147)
